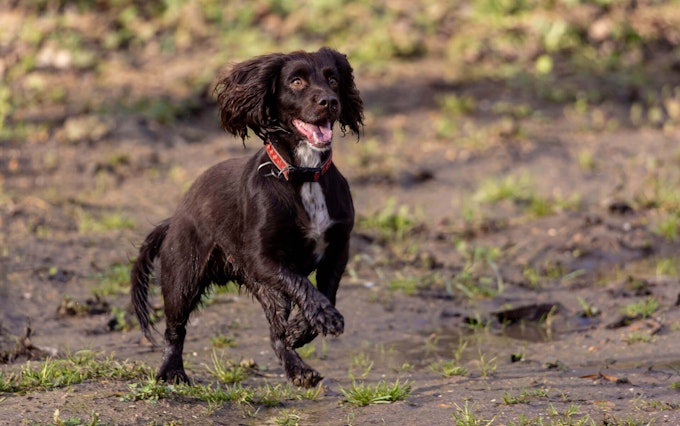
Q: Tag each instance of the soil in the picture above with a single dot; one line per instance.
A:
(603, 249)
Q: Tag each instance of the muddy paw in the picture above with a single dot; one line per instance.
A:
(299, 332)
(173, 377)
(306, 379)
(329, 321)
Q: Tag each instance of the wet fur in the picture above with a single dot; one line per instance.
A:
(267, 234)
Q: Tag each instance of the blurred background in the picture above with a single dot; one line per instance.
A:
(156, 59)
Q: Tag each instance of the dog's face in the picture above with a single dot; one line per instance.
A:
(298, 94)
(308, 101)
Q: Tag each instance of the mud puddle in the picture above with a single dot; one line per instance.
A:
(465, 344)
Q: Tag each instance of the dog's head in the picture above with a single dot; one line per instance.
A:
(296, 96)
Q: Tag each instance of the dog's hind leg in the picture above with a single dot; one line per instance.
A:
(183, 284)
(277, 309)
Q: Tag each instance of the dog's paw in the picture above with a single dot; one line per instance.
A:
(173, 377)
(299, 332)
(328, 321)
(306, 378)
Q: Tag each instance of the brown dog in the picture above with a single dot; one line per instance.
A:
(268, 221)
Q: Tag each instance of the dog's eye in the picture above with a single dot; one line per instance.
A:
(297, 82)
(333, 82)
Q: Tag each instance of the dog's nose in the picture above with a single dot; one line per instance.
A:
(328, 102)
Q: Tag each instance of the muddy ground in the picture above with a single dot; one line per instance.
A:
(409, 300)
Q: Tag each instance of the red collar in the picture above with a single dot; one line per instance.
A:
(299, 174)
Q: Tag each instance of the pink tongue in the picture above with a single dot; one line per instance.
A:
(322, 134)
(318, 135)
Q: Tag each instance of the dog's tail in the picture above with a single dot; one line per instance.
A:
(140, 276)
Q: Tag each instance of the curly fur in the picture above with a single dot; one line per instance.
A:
(267, 234)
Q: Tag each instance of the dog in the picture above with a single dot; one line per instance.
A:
(265, 222)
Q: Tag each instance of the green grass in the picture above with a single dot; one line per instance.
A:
(587, 309)
(165, 111)
(569, 419)
(213, 293)
(406, 285)
(513, 188)
(75, 368)
(638, 337)
(266, 395)
(111, 221)
(307, 351)
(362, 394)
(448, 368)
(360, 365)
(569, 416)
(521, 191)
(412, 284)
(404, 367)
(227, 371)
(524, 396)
(221, 341)
(668, 227)
(587, 161)
(453, 105)
(123, 320)
(644, 404)
(148, 390)
(662, 193)
(391, 223)
(643, 308)
(515, 42)
(480, 276)
(487, 367)
(540, 207)
(466, 416)
(550, 273)
(288, 418)
(667, 266)
(114, 281)
(74, 421)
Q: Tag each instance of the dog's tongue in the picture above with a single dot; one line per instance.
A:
(316, 135)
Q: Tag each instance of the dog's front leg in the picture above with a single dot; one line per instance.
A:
(328, 275)
(277, 289)
(277, 308)
(315, 307)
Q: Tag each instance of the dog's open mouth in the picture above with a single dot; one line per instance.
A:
(317, 136)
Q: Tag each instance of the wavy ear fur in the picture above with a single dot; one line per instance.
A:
(245, 95)
(352, 114)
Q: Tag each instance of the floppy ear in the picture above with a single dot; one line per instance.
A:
(352, 107)
(245, 95)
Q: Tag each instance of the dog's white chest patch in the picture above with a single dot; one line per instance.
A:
(314, 203)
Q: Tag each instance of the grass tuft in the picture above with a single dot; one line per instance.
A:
(361, 394)
(643, 308)
(465, 416)
(226, 371)
(390, 223)
(75, 368)
(114, 281)
(448, 368)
